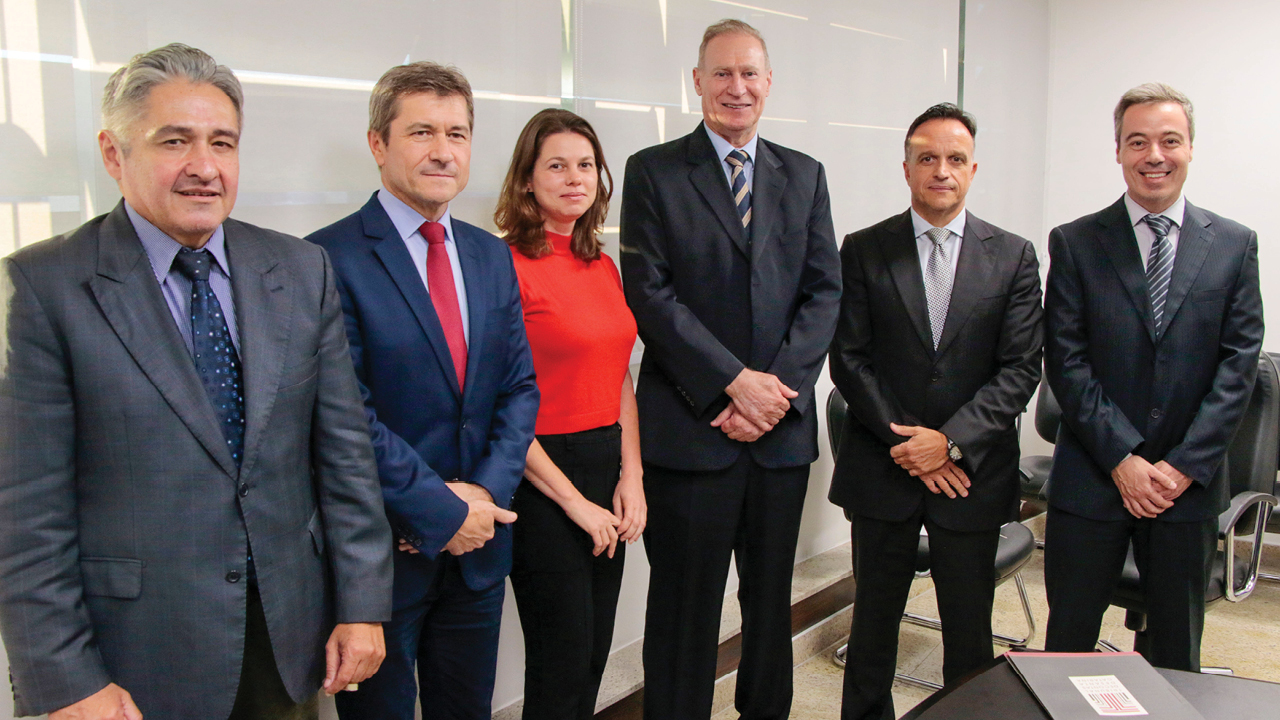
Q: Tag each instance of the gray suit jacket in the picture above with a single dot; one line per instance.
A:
(124, 522)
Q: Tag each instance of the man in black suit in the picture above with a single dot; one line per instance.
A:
(937, 352)
(729, 264)
(1154, 324)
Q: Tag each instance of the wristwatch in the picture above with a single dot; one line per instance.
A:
(953, 451)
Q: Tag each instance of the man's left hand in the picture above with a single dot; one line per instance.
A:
(353, 654)
(733, 423)
(924, 452)
(1182, 481)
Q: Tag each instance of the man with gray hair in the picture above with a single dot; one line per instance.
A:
(1153, 324)
(729, 264)
(190, 519)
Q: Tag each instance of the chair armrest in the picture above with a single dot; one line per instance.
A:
(1240, 504)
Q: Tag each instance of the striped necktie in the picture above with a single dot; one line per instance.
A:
(738, 185)
(1159, 266)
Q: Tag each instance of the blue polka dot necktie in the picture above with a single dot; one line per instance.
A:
(215, 355)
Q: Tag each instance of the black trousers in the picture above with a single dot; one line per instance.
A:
(1083, 560)
(261, 694)
(962, 565)
(566, 596)
(697, 520)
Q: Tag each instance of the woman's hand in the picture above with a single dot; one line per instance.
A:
(599, 523)
(629, 504)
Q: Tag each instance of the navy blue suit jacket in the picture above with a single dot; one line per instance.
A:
(426, 431)
(1177, 396)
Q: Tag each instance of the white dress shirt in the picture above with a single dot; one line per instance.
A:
(407, 221)
(1146, 236)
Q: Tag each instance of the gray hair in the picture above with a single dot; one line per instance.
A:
(730, 26)
(1148, 93)
(125, 97)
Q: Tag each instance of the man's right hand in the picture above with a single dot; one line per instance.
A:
(948, 479)
(109, 703)
(760, 397)
(477, 529)
(1140, 484)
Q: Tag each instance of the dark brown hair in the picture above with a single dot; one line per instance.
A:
(518, 214)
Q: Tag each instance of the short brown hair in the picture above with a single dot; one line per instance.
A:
(520, 217)
(420, 77)
(1149, 93)
(730, 26)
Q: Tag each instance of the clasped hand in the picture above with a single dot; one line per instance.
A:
(478, 528)
(924, 455)
(1148, 490)
(757, 402)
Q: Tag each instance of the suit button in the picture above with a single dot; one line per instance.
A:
(464, 424)
(1155, 413)
(935, 377)
(244, 489)
(233, 577)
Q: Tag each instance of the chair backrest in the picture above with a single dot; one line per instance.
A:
(837, 409)
(1048, 413)
(1254, 453)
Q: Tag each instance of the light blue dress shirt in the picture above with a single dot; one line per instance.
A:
(924, 245)
(724, 147)
(407, 221)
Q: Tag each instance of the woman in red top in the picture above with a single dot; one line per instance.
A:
(582, 490)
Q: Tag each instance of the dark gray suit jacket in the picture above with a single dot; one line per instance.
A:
(124, 522)
(972, 388)
(710, 300)
(1177, 397)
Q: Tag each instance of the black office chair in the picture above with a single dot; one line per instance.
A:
(1034, 469)
(1014, 551)
(1251, 464)
(1273, 525)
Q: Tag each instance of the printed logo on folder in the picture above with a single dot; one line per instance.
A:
(1107, 695)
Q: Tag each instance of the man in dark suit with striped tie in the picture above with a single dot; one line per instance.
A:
(1153, 328)
(729, 263)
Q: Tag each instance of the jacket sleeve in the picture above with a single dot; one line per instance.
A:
(1205, 445)
(807, 341)
(1098, 423)
(686, 350)
(357, 536)
(997, 405)
(53, 656)
(859, 381)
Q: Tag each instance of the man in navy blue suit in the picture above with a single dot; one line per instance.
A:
(437, 337)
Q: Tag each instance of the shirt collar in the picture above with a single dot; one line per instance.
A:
(162, 249)
(724, 147)
(406, 219)
(1174, 212)
(923, 226)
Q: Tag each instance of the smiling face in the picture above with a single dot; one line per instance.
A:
(733, 80)
(426, 157)
(939, 169)
(564, 180)
(1155, 149)
(178, 165)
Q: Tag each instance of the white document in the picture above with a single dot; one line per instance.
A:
(1107, 695)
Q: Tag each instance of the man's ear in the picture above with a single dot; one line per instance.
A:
(112, 154)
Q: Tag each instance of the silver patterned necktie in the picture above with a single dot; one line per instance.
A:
(1159, 266)
(738, 185)
(937, 282)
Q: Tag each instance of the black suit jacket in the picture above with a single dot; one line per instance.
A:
(711, 299)
(972, 388)
(1178, 396)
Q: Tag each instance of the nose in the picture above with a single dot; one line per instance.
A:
(200, 162)
(574, 176)
(440, 151)
(1155, 155)
(737, 85)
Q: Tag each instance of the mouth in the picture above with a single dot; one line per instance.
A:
(199, 193)
(736, 106)
(574, 196)
(1156, 175)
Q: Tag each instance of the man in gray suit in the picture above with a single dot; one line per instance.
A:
(188, 496)
(1153, 324)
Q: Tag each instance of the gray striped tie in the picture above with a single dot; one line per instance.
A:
(1159, 266)
(937, 282)
(738, 185)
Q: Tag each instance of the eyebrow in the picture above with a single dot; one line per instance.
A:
(432, 126)
(187, 131)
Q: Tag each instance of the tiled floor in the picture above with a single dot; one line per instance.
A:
(1241, 636)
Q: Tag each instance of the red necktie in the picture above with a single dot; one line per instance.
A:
(444, 295)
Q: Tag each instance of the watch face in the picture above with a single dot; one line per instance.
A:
(954, 453)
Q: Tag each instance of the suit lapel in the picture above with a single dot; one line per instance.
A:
(134, 305)
(1195, 239)
(264, 308)
(708, 178)
(1121, 246)
(973, 271)
(898, 244)
(397, 261)
(767, 188)
(477, 303)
